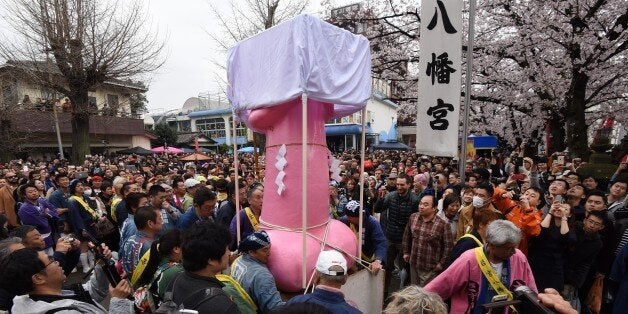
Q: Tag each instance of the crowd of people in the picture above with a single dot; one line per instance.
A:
(155, 232)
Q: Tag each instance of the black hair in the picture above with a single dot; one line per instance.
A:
(485, 186)
(143, 215)
(619, 180)
(3, 233)
(160, 249)
(176, 181)
(203, 242)
(133, 199)
(563, 181)
(203, 195)
(105, 185)
(22, 188)
(156, 189)
(597, 193)
(221, 185)
(21, 231)
(61, 175)
(17, 270)
(406, 177)
(231, 187)
(450, 199)
(434, 201)
(599, 214)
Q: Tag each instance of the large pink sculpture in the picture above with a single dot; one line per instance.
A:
(282, 125)
(268, 74)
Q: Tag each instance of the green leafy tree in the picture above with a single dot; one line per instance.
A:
(165, 135)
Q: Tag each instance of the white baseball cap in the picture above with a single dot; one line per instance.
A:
(190, 183)
(327, 259)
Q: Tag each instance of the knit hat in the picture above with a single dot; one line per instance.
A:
(73, 184)
(254, 241)
(352, 209)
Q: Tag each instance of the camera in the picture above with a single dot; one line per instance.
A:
(524, 300)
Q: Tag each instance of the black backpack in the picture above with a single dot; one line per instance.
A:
(168, 306)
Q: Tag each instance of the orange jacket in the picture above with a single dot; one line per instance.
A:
(7, 206)
(528, 221)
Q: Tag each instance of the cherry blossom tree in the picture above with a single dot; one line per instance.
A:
(538, 65)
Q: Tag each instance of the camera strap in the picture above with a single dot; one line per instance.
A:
(493, 279)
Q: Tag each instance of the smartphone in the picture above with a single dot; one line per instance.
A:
(559, 199)
(561, 159)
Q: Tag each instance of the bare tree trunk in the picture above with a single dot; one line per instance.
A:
(80, 127)
(576, 127)
(557, 134)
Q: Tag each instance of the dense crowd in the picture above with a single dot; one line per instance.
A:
(163, 232)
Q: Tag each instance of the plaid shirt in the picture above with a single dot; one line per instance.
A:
(427, 241)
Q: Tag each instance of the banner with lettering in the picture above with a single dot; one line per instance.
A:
(440, 68)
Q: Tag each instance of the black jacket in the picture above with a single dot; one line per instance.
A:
(581, 256)
(397, 210)
(187, 284)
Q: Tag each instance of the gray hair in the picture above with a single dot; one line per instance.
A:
(5, 245)
(500, 232)
(414, 299)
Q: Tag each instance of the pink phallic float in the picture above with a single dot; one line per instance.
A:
(282, 125)
(268, 74)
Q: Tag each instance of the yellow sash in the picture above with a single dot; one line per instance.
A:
(243, 294)
(114, 203)
(252, 219)
(470, 236)
(90, 210)
(139, 269)
(490, 274)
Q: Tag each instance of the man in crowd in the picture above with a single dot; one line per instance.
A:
(557, 190)
(191, 185)
(159, 201)
(582, 254)
(178, 195)
(465, 281)
(149, 223)
(37, 281)
(227, 209)
(427, 241)
(133, 202)
(249, 217)
(616, 200)
(120, 209)
(37, 212)
(251, 272)
(204, 204)
(205, 254)
(374, 243)
(396, 207)
(330, 275)
(575, 197)
(483, 194)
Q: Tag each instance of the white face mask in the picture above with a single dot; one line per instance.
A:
(87, 192)
(477, 202)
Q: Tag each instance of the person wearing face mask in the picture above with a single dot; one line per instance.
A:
(483, 194)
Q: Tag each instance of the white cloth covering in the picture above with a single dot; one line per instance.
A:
(302, 55)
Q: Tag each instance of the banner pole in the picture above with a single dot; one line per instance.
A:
(467, 92)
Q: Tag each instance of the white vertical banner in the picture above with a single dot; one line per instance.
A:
(440, 67)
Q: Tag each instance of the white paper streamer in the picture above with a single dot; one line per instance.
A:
(281, 165)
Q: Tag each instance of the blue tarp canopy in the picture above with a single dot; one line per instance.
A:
(342, 129)
(484, 142)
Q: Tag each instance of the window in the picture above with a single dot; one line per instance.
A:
(240, 128)
(212, 128)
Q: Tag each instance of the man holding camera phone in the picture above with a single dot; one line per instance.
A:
(38, 280)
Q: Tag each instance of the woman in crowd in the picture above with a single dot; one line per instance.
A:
(163, 264)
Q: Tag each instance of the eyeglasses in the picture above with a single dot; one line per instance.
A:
(593, 222)
(51, 260)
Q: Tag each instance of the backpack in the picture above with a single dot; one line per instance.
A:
(168, 306)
